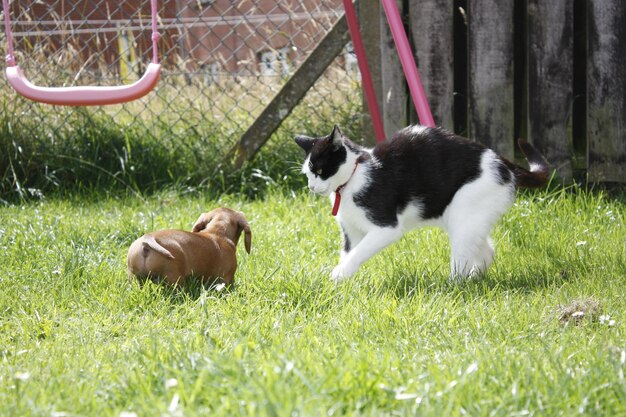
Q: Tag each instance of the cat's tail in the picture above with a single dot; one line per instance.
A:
(539, 172)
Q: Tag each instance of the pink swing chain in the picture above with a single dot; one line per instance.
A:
(10, 59)
(155, 33)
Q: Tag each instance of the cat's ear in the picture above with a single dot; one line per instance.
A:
(336, 137)
(305, 142)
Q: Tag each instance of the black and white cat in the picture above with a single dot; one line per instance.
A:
(419, 177)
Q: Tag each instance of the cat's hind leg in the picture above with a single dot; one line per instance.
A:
(470, 256)
(469, 218)
(485, 256)
(465, 252)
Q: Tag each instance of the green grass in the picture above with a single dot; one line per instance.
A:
(172, 140)
(77, 339)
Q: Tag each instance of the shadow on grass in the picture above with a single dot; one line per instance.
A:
(192, 289)
(531, 280)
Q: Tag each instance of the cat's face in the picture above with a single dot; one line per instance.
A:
(324, 158)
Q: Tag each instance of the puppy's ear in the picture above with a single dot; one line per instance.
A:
(305, 142)
(243, 225)
(201, 223)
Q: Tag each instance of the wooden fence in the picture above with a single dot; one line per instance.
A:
(494, 70)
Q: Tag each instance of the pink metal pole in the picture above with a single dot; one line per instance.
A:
(366, 77)
(408, 64)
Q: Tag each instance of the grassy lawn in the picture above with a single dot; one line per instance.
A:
(532, 338)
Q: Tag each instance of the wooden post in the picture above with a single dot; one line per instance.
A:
(394, 88)
(369, 14)
(431, 23)
(550, 81)
(290, 95)
(490, 68)
(606, 91)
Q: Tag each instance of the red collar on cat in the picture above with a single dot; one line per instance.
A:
(338, 191)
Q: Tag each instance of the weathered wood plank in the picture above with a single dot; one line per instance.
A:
(490, 75)
(290, 95)
(431, 25)
(394, 87)
(550, 81)
(606, 91)
(369, 15)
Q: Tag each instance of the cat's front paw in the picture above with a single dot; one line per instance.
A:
(337, 274)
(341, 272)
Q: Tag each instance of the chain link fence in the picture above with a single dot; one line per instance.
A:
(222, 62)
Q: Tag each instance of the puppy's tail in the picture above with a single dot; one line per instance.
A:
(149, 242)
(539, 172)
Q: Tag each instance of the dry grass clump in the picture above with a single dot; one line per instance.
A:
(578, 310)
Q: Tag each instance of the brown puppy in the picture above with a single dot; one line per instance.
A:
(208, 251)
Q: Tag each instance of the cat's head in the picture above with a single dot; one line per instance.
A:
(325, 162)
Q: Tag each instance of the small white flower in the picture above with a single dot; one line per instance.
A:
(171, 383)
(403, 396)
(22, 376)
(581, 243)
(606, 319)
(174, 403)
(472, 368)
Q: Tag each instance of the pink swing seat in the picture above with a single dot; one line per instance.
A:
(83, 95)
